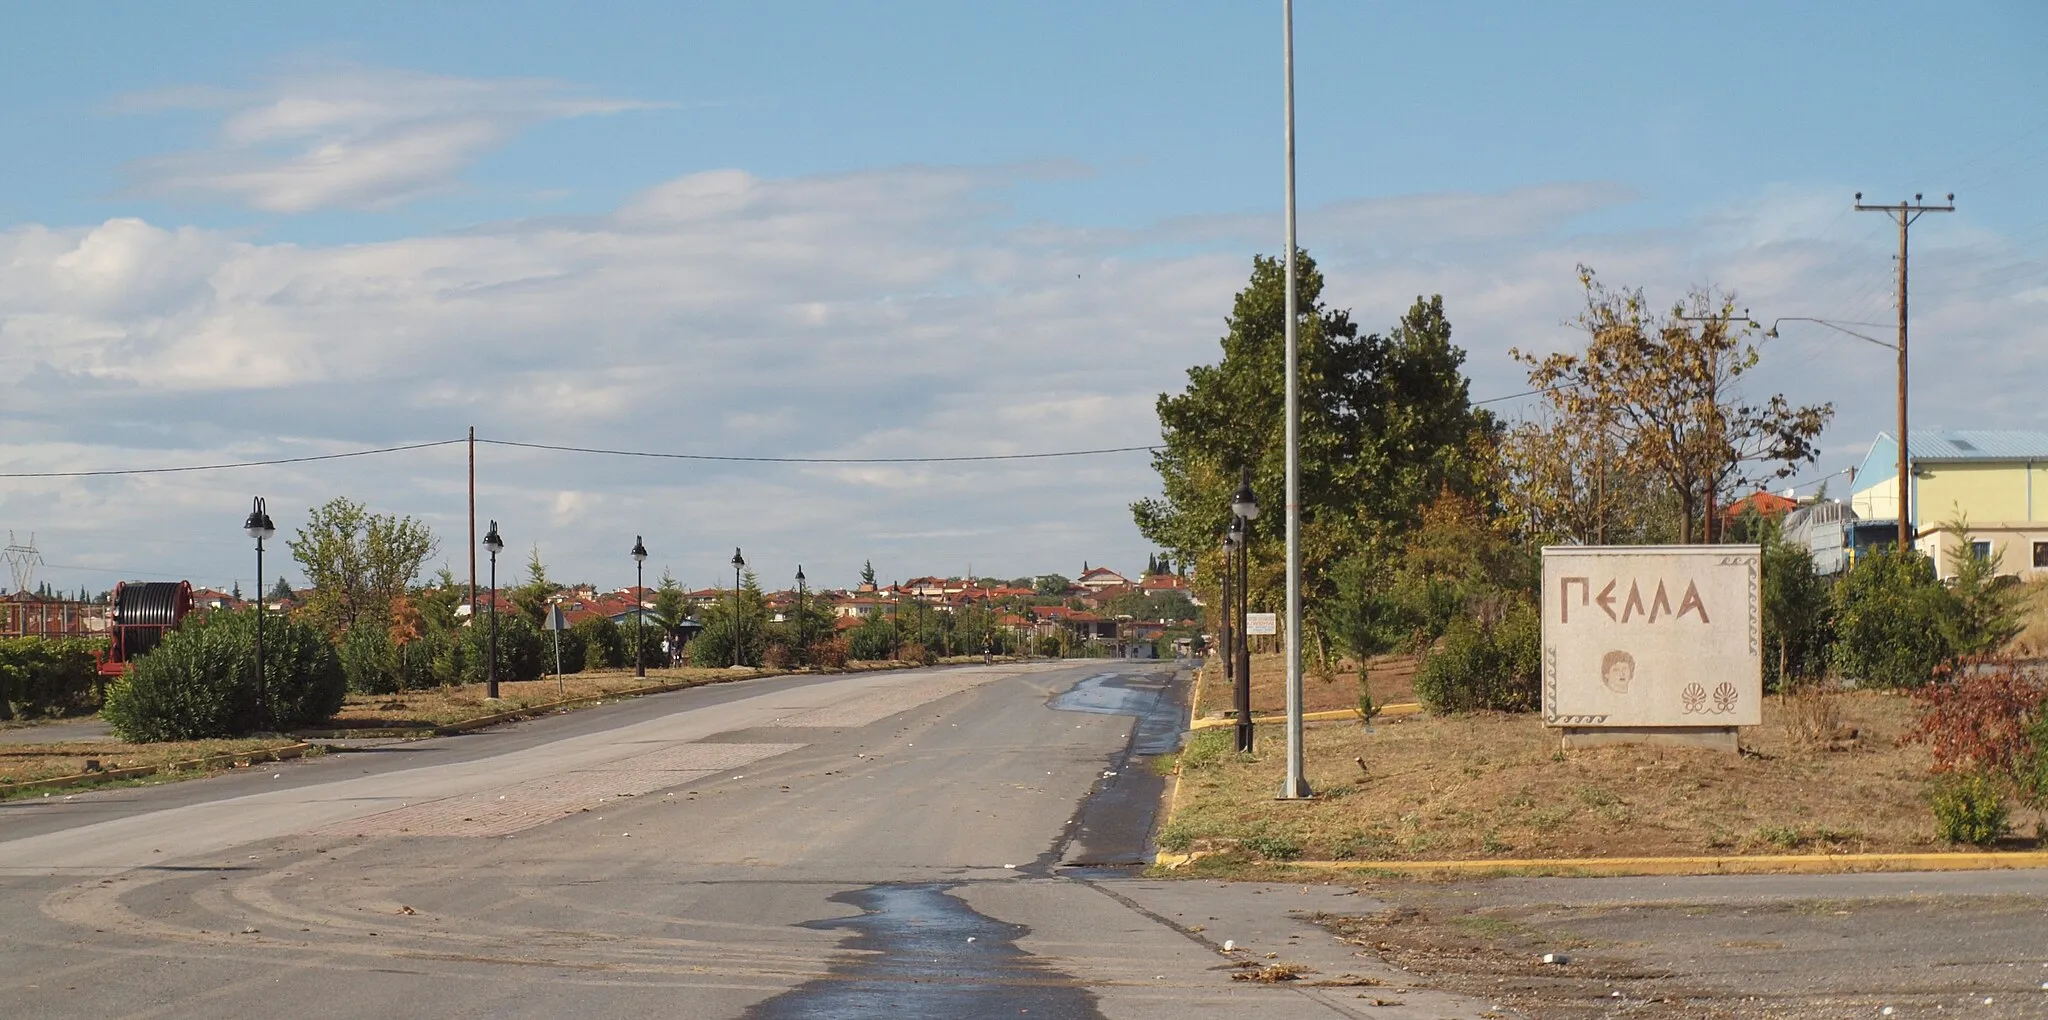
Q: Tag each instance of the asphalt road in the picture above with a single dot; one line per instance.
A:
(936, 843)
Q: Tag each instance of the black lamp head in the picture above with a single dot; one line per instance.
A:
(738, 561)
(258, 524)
(639, 550)
(491, 540)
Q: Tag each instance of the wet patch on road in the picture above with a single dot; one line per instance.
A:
(919, 953)
(1114, 825)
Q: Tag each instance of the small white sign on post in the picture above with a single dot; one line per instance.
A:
(1256, 624)
(1644, 638)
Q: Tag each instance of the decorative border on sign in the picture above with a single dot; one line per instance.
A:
(1550, 716)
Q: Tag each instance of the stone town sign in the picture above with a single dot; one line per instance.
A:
(1652, 636)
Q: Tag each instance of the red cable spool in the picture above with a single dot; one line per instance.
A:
(143, 612)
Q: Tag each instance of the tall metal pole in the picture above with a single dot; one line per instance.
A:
(1241, 649)
(491, 676)
(739, 646)
(639, 614)
(1297, 784)
(1226, 608)
(262, 693)
(1905, 213)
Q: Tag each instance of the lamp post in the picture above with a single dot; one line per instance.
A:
(1297, 784)
(639, 610)
(494, 545)
(739, 647)
(803, 623)
(1244, 508)
(1226, 609)
(259, 528)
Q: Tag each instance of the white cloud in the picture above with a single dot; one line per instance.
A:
(342, 135)
(879, 314)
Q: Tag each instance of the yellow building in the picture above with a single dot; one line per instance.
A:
(1995, 481)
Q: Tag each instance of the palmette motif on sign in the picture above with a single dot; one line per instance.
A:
(1694, 698)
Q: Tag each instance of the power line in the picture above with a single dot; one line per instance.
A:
(820, 460)
(223, 467)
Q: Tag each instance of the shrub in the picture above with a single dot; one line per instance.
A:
(650, 652)
(915, 652)
(604, 646)
(1969, 809)
(1480, 665)
(1986, 717)
(775, 656)
(201, 682)
(574, 651)
(831, 653)
(369, 661)
(1797, 616)
(520, 652)
(873, 640)
(1272, 848)
(1894, 620)
(1049, 646)
(42, 677)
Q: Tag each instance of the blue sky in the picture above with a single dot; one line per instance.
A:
(922, 228)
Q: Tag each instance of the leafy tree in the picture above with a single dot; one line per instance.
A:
(1798, 616)
(721, 643)
(1893, 620)
(1051, 584)
(604, 644)
(357, 562)
(1660, 395)
(1385, 424)
(874, 639)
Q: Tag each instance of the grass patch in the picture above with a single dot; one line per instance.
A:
(1490, 785)
(21, 763)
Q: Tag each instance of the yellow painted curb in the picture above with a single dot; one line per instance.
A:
(1405, 708)
(1762, 864)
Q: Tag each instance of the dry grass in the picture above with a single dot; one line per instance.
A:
(1480, 786)
(2032, 640)
(441, 706)
(1393, 680)
(1811, 717)
(24, 762)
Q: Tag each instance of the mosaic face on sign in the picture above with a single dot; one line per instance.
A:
(1652, 636)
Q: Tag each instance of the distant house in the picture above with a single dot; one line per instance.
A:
(1763, 504)
(1098, 578)
(1995, 480)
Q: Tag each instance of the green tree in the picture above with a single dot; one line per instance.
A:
(604, 644)
(1798, 616)
(357, 562)
(280, 590)
(867, 573)
(1987, 605)
(1051, 584)
(532, 597)
(721, 643)
(1893, 620)
(1386, 423)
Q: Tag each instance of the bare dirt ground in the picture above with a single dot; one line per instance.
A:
(1490, 785)
(1776, 949)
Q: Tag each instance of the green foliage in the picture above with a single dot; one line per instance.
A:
(1272, 847)
(644, 640)
(1895, 623)
(1484, 663)
(867, 573)
(604, 645)
(1987, 613)
(201, 682)
(522, 655)
(1385, 425)
(574, 651)
(1171, 606)
(356, 562)
(532, 597)
(1970, 809)
(369, 662)
(873, 640)
(45, 677)
(1051, 584)
(1798, 615)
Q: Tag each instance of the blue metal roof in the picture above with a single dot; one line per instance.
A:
(1979, 445)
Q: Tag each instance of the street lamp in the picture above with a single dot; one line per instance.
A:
(1244, 508)
(259, 528)
(495, 545)
(639, 610)
(1297, 785)
(1226, 607)
(739, 647)
(803, 623)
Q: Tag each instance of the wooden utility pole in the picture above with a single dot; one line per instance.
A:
(1905, 213)
(472, 522)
